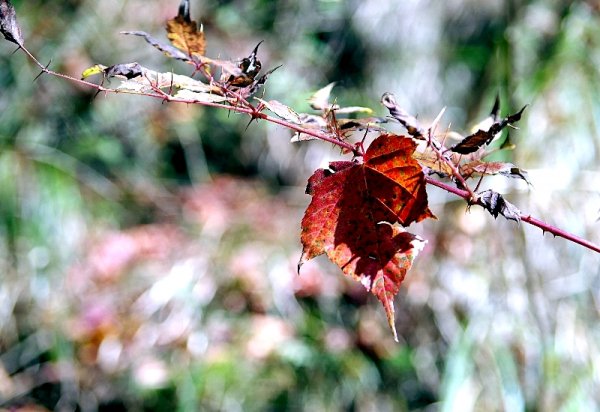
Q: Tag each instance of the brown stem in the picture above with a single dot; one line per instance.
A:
(559, 232)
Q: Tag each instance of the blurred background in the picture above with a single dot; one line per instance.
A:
(148, 251)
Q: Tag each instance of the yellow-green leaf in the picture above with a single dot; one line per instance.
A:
(91, 71)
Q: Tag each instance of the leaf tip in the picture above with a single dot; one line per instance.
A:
(184, 11)
(496, 109)
(395, 333)
(389, 311)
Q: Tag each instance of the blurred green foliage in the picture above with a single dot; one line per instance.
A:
(148, 250)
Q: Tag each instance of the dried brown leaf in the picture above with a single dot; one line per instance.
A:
(493, 168)
(494, 203)
(249, 67)
(405, 119)
(429, 159)
(281, 110)
(184, 32)
(167, 49)
(480, 138)
(320, 99)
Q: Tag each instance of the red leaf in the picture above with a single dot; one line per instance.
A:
(353, 211)
(396, 179)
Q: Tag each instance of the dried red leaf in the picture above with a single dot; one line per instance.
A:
(354, 210)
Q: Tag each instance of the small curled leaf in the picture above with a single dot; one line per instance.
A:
(405, 119)
(127, 70)
(492, 118)
(481, 137)
(249, 68)
(258, 83)
(494, 203)
(320, 99)
(167, 49)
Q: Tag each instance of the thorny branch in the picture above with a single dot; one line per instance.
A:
(464, 191)
(525, 218)
(247, 109)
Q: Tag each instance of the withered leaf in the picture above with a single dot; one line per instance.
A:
(492, 118)
(197, 96)
(184, 32)
(493, 168)
(320, 99)
(309, 121)
(281, 110)
(366, 123)
(127, 70)
(494, 203)
(152, 80)
(249, 68)
(405, 119)
(258, 83)
(355, 211)
(167, 49)
(8, 23)
(141, 79)
(430, 160)
(481, 137)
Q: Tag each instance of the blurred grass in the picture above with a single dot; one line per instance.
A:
(148, 251)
